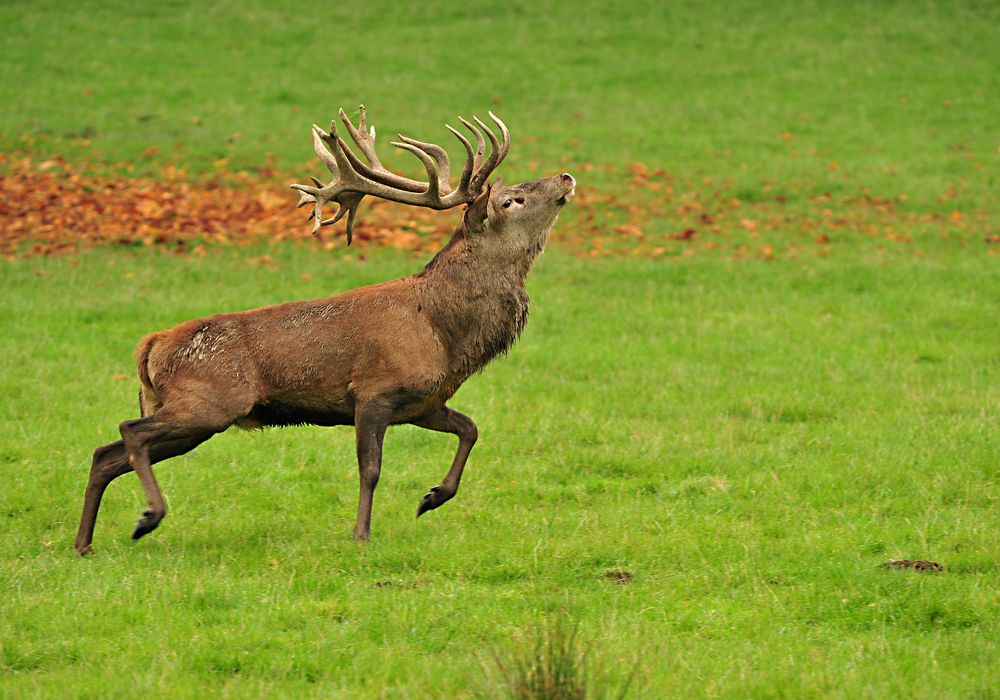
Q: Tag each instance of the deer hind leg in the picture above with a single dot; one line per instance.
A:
(447, 420)
(110, 462)
(154, 438)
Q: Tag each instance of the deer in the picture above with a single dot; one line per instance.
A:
(388, 354)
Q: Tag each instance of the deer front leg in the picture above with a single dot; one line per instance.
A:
(447, 420)
(370, 425)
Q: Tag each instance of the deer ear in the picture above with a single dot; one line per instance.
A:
(477, 211)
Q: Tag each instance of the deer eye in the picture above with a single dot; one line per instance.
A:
(506, 203)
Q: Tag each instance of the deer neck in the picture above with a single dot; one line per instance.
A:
(477, 303)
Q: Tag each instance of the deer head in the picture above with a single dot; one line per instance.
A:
(508, 222)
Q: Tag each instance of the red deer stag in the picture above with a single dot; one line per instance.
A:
(387, 354)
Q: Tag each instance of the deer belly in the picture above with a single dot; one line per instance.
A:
(263, 415)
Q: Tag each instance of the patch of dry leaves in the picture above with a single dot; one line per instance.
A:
(48, 207)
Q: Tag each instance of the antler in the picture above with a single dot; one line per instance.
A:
(353, 179)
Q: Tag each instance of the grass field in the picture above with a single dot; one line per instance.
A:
(750, 445)
(700, 459)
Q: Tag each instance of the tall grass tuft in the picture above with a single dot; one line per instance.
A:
(555, 667)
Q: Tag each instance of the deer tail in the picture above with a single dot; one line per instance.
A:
(148, 400)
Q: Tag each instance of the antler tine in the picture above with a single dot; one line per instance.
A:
(430, 164)
(305, 199)
(361, 136)
(491, 163)
(480, 144)
(362, 123)
(440, 156)
(352, 214)
(463, 184)
(323, 152)
(340, 149)
(505, 146)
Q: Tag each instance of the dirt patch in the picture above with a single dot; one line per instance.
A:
(915, 564)
(619, 576)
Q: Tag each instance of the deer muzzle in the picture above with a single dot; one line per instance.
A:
(568, 183)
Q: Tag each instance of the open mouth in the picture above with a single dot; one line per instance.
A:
(566, 197)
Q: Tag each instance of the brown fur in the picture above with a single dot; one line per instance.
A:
(390, 353)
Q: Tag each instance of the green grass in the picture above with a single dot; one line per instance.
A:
(749, 440)
(901, 96)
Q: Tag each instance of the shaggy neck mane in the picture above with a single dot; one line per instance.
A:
(477, 303)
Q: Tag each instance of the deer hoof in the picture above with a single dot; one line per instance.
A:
(146, 524)
(433, 498)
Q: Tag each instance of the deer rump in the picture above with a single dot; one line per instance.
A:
(386, 354)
